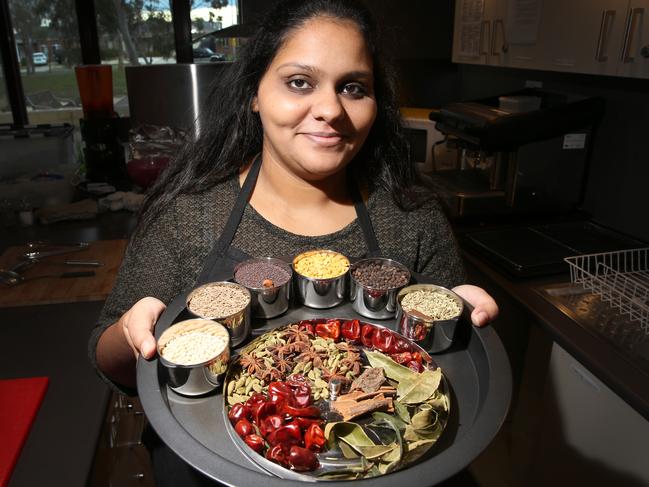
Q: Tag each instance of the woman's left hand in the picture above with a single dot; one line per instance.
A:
(485, 308)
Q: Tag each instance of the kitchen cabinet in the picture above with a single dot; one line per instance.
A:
(479, 36)
(606, 37)
(590, 436)
(595, 37)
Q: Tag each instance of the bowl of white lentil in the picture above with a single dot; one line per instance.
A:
(321, 278)
(225, 302)
(195, 354)
(428, 315)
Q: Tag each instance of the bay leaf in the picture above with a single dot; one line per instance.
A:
(376, 451)
(416, 450)
(424, 418)
(354, 435)
(392, 369)
(391, 460)
(439, 401)
(393, 421)
(402, 411)
(420, 388)
(348, 451)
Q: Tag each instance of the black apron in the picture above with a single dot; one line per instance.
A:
(220, 262)
(169, 469)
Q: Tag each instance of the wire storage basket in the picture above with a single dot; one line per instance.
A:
(620, 278)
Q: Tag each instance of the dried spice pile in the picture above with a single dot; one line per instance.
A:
(432, 304)
(378, 275)
(258, 274)
(218, 300)
(321, 264)
(293, 350)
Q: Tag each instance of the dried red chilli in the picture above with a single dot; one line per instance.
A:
(351, 330)
(314, 438)
(330, 329)
(255, 442)
(384, 340)
(243, 427)
(366, 335)
(302, 459)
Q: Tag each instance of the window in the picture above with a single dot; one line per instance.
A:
(209, 17)
(129, 32)
(47, 46)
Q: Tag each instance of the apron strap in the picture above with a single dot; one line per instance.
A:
(230, 228)
(364, 219)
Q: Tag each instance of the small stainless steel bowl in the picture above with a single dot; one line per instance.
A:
(433, 336)
(238, 323)
(200, 378)
(379, 304)
(268, 302)
(320, 293)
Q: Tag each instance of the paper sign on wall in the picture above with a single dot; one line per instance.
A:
(472, 12)
(523, 21)
(574, 141)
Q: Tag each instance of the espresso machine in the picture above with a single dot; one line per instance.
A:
(520, 153)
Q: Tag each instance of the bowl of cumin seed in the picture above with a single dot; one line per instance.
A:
(225, 302)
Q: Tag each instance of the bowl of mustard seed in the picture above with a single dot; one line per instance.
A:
(321, 278)
(269, 283)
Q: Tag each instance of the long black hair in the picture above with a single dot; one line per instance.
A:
(231, 133)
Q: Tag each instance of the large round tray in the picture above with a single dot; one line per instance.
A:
(476, 368)
(280, 471)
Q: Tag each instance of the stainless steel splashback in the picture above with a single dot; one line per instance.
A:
(170, 94)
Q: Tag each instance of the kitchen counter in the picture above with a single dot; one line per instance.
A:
(602, 358)
(51, 340)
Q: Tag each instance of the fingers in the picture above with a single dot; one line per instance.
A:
(138, 324)
(485, 308)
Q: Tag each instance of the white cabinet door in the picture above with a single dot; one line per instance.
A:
(582, 36)
(633, 60)
(590, 436)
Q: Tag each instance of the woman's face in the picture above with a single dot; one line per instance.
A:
(316, 100)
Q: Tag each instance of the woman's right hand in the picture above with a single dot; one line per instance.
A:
(138, 323)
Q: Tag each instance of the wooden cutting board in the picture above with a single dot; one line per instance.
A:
(64, 290)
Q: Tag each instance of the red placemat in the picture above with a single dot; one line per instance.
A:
(19, 403)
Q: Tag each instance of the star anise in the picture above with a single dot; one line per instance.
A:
(283, 366)
(270, 374)
(252, 364)
(289, 350)
(295, 333)
(310, 355)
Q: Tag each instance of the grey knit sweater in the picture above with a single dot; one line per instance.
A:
(168, 257)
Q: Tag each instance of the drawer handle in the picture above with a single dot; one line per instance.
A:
(629, 33)
(485, 25)
(504, 47)
(608, 17)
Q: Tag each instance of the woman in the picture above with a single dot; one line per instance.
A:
(301, 149)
